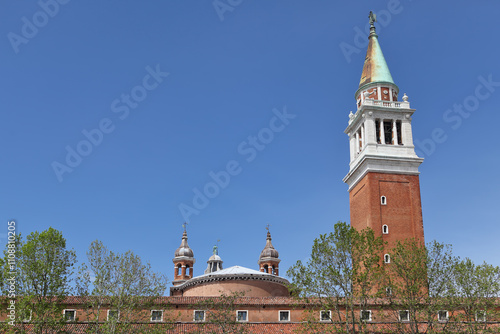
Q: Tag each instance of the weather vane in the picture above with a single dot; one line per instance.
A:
(185, 225)
(267, 227)
(372, 17)
(216, 248)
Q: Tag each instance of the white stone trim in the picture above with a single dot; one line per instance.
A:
(69, 310)
(404, 320)
(321, 315)
(246, 317)
(358, 148)
(279, 316)
(117, 318)
(361, 315)
(378, 111)
(480, 316)
(161, 319)
(370, 130)
(363, 136)
(352, 143)
(381, 164)
(194, 316)
(447, 316)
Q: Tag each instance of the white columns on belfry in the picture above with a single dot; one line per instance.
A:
(370, 132)
(352, 146)
(406, 135)
(382, 134)
(357, 142)
(394, 133)
(363, 136)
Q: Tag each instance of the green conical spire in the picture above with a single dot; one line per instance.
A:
(375, 68)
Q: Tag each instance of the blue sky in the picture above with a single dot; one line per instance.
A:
(205, 83)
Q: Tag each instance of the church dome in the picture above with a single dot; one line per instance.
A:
(248, 282)
(184, 250)
(236, 279)
(269, 251)
(215, 257)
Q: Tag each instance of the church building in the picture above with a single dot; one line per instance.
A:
(384, 195)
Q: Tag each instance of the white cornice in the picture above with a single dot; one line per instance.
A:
(379, 112)
(381, 164)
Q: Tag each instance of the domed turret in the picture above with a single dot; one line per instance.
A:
(214, 262)
(269, 258)
(269, 251)
(184, 250)
(183, 261)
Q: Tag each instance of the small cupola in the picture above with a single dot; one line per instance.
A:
(269, 257)
(183, 261)
(214, 263)
(184, 250)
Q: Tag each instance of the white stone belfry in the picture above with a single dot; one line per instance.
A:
(380, 136)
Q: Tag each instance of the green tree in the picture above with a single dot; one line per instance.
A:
(475, 291)
(426, 280)
(342, 274)
(420, 280)
(43, 275)
(122, 284)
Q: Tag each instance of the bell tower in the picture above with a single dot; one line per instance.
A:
(383, 178)
(183, 261)
(269, 257)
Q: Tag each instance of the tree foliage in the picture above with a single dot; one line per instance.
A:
(43, 277)
(420, 279)
(475, 290)
(345, 275)
(121, 283)
(342, 274)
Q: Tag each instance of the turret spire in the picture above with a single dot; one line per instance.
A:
(375, 68)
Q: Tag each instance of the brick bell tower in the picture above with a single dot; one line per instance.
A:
(269, 261)
(384, 188)
(183, 261)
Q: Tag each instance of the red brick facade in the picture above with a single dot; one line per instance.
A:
(401, 213)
